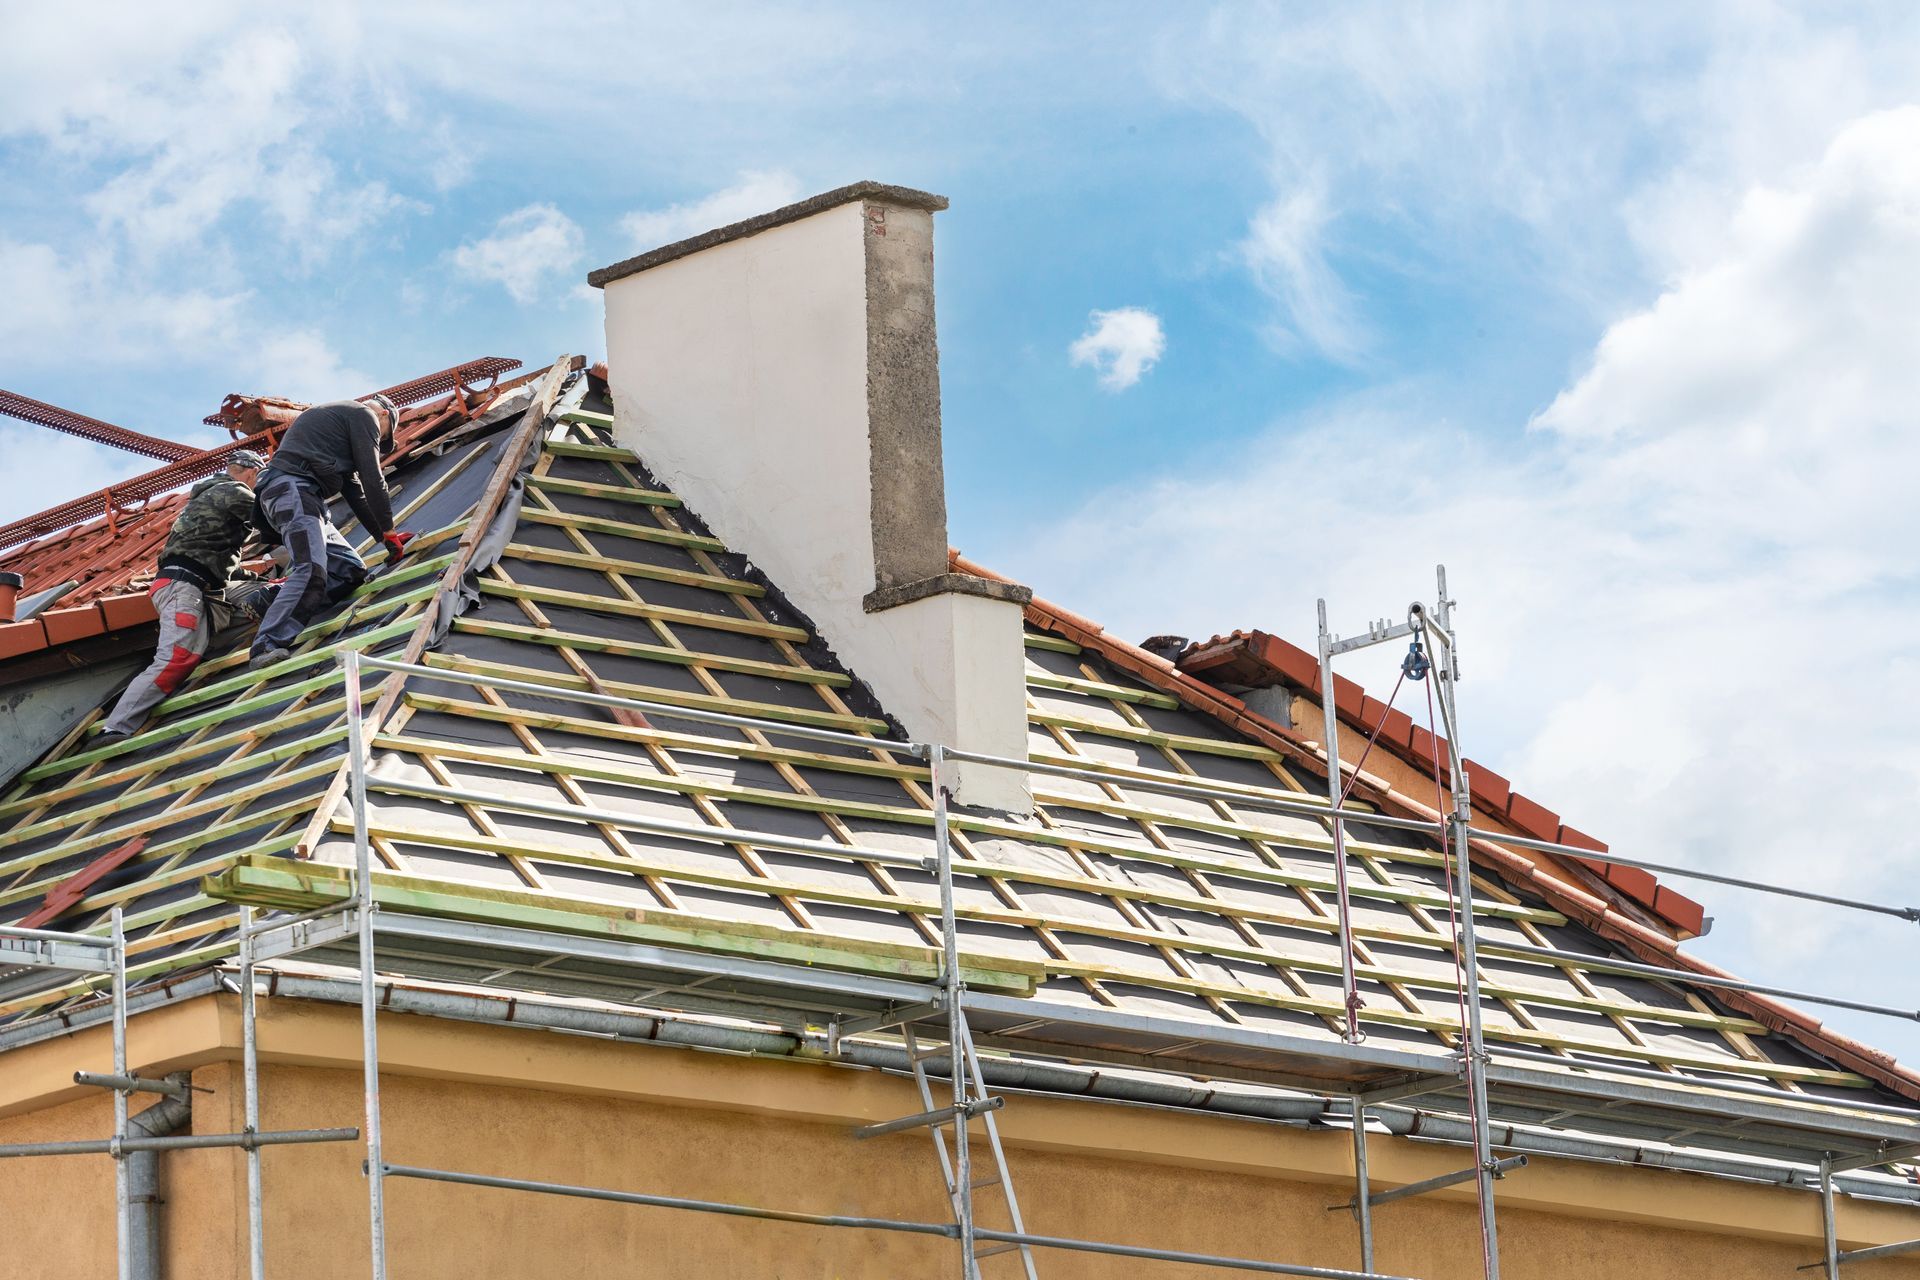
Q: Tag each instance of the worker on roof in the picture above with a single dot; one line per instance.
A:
(194, 567)
(330, 449)
(345, 570)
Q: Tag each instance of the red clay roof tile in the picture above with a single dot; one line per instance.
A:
(1533, 817)
(1491, 790)
(1682, 910)
(17, 638)
(127, 610)
(67, 625)
(1569, 835)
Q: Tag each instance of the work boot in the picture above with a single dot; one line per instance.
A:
(267, 657)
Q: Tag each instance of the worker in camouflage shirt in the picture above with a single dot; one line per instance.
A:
(194, 567)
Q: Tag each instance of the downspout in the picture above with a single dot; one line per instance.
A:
(170, 1116)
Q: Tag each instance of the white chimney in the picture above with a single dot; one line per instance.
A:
(782, 376)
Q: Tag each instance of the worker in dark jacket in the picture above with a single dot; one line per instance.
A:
(331, 449)
(194, 567)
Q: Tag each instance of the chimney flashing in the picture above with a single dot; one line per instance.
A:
(878, 192)
(965, 584)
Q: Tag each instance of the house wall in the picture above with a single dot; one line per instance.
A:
(777, 1133)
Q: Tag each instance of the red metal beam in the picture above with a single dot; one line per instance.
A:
(38, 412)
(456, 378)
(139, 488)
(185, 470)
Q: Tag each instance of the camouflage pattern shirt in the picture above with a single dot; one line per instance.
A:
(209, 532)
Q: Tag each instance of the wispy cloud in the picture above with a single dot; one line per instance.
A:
(1286, 250)
(1120, 345)
(756, 191)
(527, 251)
(1584, 151)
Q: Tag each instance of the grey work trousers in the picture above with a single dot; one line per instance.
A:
(184, 633)
(323, 567)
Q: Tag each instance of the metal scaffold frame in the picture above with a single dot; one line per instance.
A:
(355, 932)
(57, 951)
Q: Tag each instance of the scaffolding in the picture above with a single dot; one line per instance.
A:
(943, 1021)
(27, 953)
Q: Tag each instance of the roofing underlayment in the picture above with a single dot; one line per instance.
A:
(579, 573)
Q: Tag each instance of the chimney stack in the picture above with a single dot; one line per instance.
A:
(10, 585)
(782, 376)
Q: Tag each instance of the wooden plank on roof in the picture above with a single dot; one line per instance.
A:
(177, 785)
(592, 452)
(180, 728)
(671, 870)
(179, 844)
(1100, 689)
(1054, 644)
(671, 697)
(633, 609)
(621, 529)
(634, 569)
(312, 658)
(1155, 738)
(651, 652)
(604, 492)
(306, 886)
(180, 813)
(733, 749)
(141, 768)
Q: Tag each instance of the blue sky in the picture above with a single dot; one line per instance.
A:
(1611, 310)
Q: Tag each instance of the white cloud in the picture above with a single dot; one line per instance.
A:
(1120, 345)
(57, 303)
(1286, 250)
(1588, 149)
(526, 251)
(1688, 595)
(302, 365)
(756, 191)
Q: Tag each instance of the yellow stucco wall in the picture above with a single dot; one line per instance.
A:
(708, 1125)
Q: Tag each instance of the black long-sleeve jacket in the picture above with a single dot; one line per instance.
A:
(337, 446)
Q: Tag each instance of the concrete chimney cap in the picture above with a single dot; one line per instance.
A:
(875, 192)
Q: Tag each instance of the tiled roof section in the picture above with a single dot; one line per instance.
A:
(110, 557)
(1258, 660)
(56, 627)
(1516, 873)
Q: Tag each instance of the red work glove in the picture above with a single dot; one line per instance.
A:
(396, 544)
